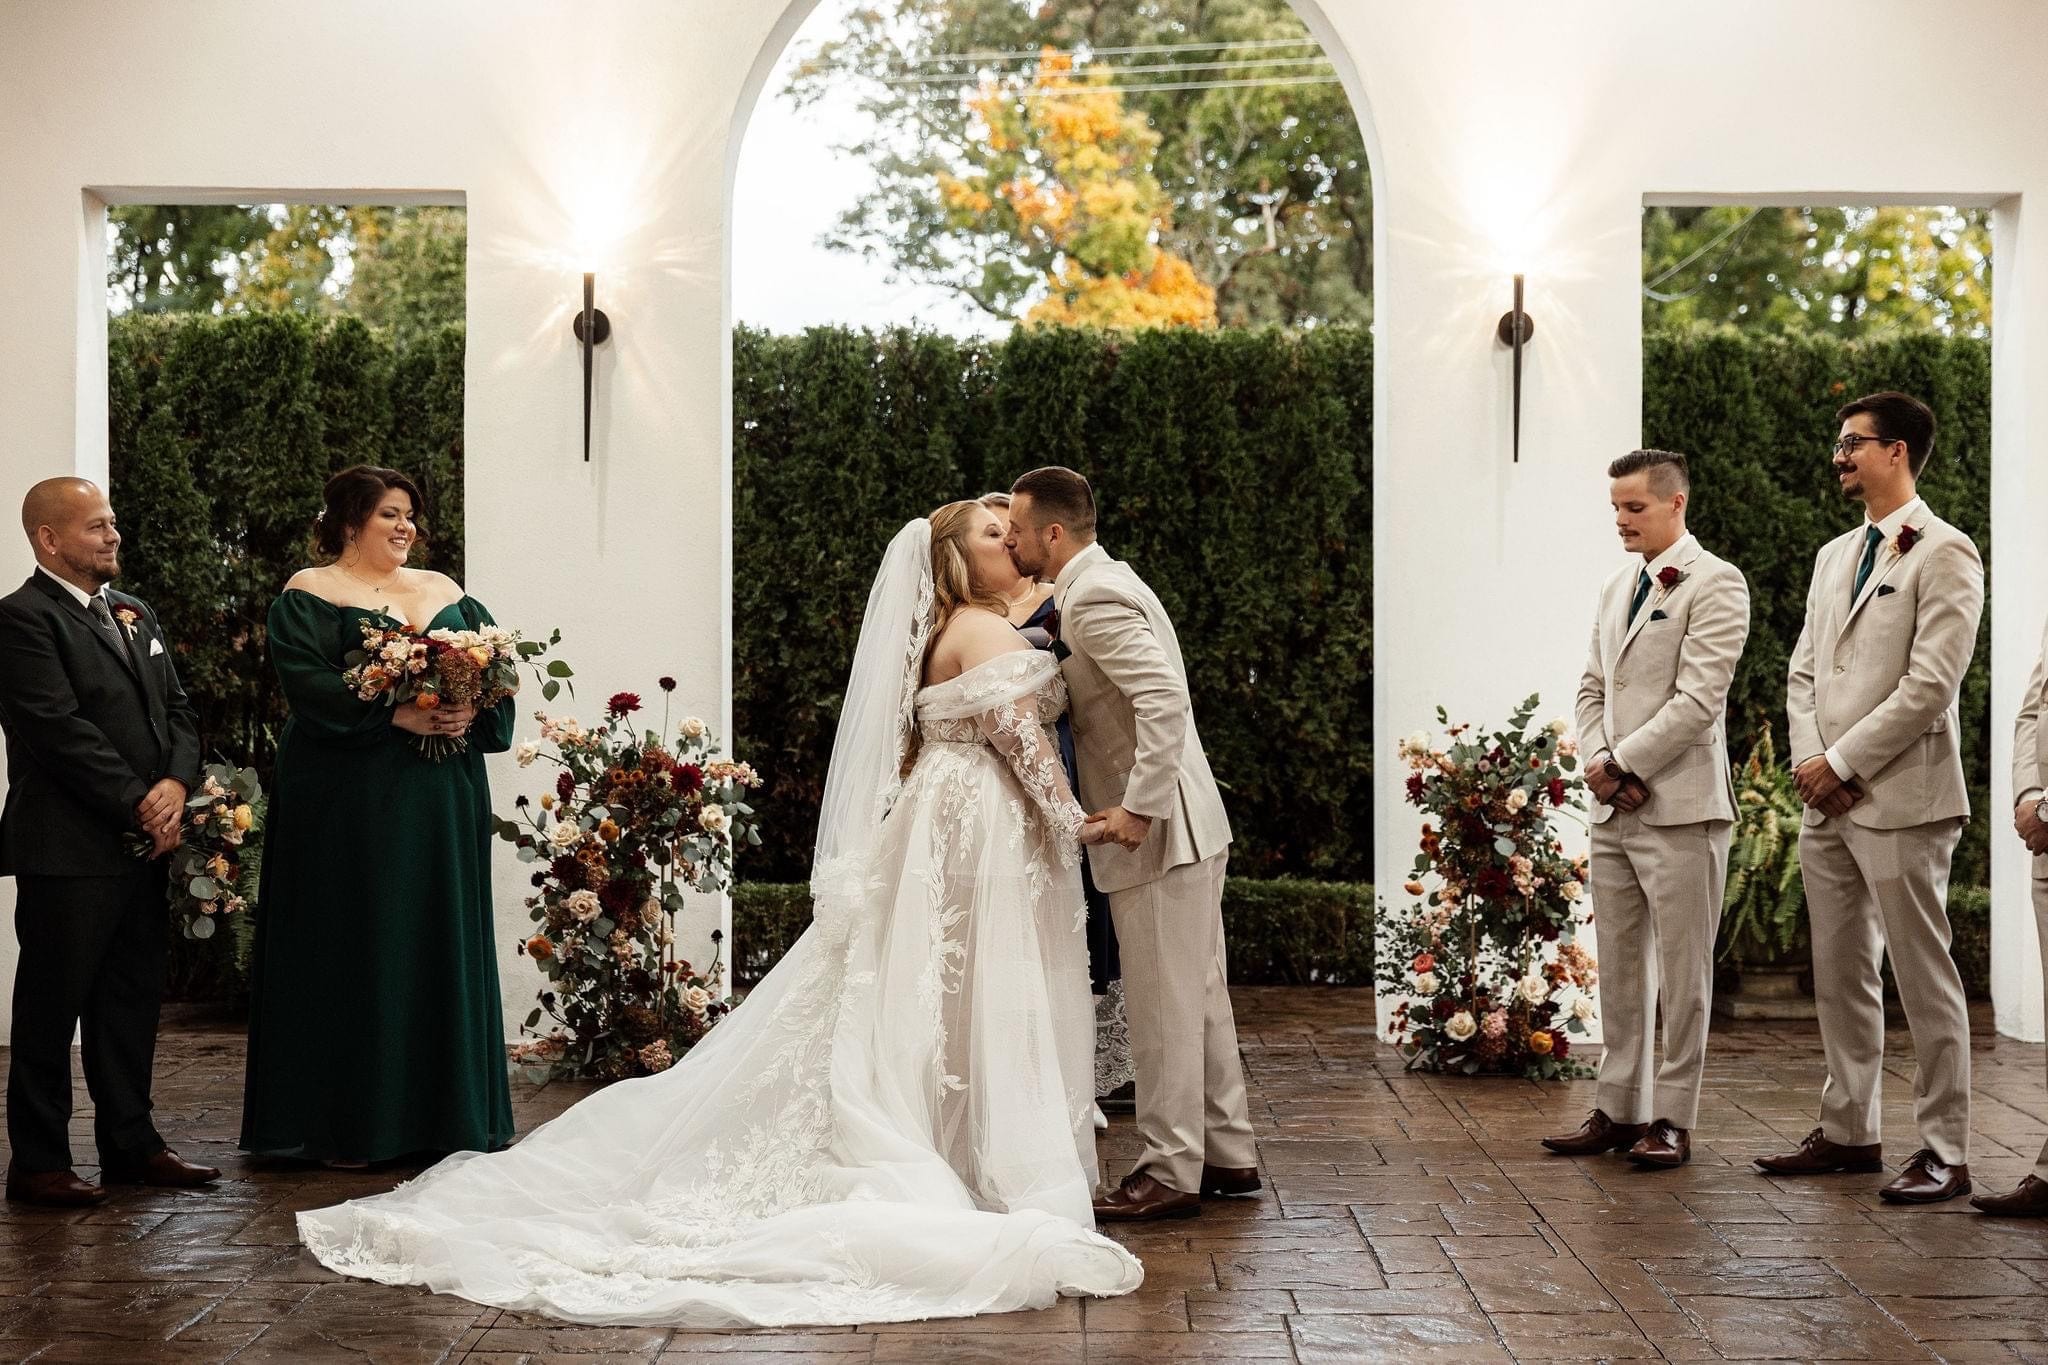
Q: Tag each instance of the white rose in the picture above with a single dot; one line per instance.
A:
(1534, 988)
(692, 728)
(564, 835)
(1426, 984)
(1460, 1025)
(1582, 1008)
(1517, 799)
(584, 905)
(696, 1000)
(527, 752)
(1568, 746)
(1558, 726)
(714, 819)
(1572, 890)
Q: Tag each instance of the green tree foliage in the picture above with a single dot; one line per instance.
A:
(1849, 273)
(1270, 195)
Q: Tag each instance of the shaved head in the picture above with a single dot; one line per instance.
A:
(71, 527)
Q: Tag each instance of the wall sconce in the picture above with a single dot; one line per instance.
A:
(1515, 329)
(593, 329)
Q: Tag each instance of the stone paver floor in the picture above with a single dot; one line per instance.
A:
(1405, 1218)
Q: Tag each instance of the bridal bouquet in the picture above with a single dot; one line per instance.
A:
(635, 817)
(214, 867)
(478, 668)
(1490, 977)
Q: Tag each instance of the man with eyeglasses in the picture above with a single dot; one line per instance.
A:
(1891, 623)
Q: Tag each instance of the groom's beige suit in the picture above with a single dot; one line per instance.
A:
(1136, 746)
(2030, 783)
(1873, 685)
(1654, 697)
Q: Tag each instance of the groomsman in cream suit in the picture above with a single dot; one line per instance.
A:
(1891, 623)
(1652, 721)
(1143, 771)
(2030, 819)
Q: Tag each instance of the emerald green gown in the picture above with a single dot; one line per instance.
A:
(375, 1027)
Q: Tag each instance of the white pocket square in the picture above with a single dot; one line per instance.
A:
(156, 647)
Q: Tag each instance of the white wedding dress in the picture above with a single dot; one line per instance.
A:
(894, 1125)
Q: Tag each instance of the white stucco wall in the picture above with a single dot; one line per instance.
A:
(1503, 138)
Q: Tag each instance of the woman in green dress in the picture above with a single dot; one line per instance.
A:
(375, 1027)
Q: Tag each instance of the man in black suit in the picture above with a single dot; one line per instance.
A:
(101, 746)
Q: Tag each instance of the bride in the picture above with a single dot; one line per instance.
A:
(896, 1123)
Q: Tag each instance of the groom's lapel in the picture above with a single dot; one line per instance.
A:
(1888, 559)
(1657, 598)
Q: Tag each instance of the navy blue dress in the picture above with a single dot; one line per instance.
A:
(1041, 630)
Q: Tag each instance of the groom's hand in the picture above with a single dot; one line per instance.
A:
(161, 809)
(1817, 780)
(2026, 818)
(1123, 828)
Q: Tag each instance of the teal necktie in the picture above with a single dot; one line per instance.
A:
(1871, 537)
(1642, 591)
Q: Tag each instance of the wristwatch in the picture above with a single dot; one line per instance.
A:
(1614, 770)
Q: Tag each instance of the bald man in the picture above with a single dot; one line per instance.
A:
(101, 745)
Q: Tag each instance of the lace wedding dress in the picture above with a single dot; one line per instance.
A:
(895, 1123)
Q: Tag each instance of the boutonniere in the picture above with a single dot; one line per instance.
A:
(127, 616)
(1907, 538)
(1668, 579)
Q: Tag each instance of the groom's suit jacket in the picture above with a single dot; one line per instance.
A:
(1879, 681)
(1134, 729)
(92, 724)
(2030, 747)
(1655, 691)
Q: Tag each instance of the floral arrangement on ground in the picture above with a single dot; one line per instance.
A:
(1483, 957)
(635, 818)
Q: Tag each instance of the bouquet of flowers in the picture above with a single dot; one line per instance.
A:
(635, 817)
(1490, 977)
(478, 668)
(214, 867)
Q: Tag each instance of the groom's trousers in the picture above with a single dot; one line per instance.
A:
(1870, 892)
(1657, 894)
(92, 955)
(2040, 889)
(1190, 1082)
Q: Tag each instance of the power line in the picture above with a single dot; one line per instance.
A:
(1243, 45)
(1650, 286)
(1240, 64)
(1083, 91)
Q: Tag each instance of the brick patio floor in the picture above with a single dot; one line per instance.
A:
(1404, 1218)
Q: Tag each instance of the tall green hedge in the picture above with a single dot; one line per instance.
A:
(1233, 470)
(1756, 416)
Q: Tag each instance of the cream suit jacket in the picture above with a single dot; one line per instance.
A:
(1655, 692)
(1134, 730)
(1879, 681)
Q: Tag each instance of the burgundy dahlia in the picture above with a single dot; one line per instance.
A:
(623, 703)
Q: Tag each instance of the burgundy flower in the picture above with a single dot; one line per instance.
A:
(689, 778)
(1560, 1046)
(1557, 791)
(565, 785)
(566, 870)
(1909, 536)
(666, 684)
(619, 896)
(1445, 1007)
(623, 703)
(1669, 577)
(1415, 787)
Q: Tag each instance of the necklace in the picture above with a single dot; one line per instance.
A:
(375, 587)
(1023, 594)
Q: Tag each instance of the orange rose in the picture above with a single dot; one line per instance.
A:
(427, 701)
(608, 830)
(539, 949)
(1425, 962)
(1540, 1043)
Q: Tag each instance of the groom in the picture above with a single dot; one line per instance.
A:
(101, 746)
(1143, 770)
(1891, 623)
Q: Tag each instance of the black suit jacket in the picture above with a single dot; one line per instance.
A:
(91, 727)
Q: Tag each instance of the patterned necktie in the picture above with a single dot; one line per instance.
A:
(1642, 592)
(1870, 539)
(105, 616)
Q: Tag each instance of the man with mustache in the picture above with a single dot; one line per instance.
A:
(1891, 623)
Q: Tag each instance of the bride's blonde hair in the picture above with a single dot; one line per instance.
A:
(954, 588)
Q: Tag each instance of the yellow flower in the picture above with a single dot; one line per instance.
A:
(547, 800)
(245, 816)
(608, 830)
(1540, 1043)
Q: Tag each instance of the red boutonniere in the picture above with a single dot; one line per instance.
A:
(1908, 537)
(1668, 579)
(127, 616)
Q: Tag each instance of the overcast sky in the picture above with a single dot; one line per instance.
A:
(791, 188)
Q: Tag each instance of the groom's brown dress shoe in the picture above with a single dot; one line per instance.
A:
(55, 1189)
(1596, 1135)
(1818, 1156)
(1666, 1144)
(164, 1170)
(2030, 1200)
(1926, 1179)
(1222, 1180)
(1141, 1198)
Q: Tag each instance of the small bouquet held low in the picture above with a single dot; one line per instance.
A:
(635, 817)
(1489, 975)
(477, 668)
(215, 865)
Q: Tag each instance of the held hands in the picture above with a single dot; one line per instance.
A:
(2026, 818)
(445, 720)
(1823, 789)
(1094, 831)
(1117, 826)
(1625, 793)
(161, 814)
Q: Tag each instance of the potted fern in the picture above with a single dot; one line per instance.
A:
(1764, 950)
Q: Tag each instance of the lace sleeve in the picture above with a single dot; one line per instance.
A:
(1012, 728)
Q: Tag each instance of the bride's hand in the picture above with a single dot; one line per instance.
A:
(1094, 832)
(451, 720)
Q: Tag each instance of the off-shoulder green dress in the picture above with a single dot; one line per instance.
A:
(375, 1025)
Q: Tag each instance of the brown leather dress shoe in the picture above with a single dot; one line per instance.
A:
(1218, 1180)
(2030, 1200)
(1666, 1144)
(55, 1189)
(1926, 1179)
(1141, 1198)
(165, 1170)
(1596, 1135)
(1818, 1156)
